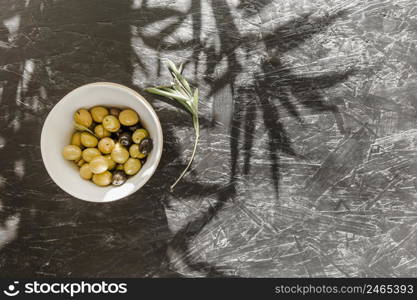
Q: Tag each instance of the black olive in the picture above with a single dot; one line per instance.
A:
(146, 146)
(125, 139)
(114, 136)
(119, 177)
(135, 127)
(115, 111)
(117, 133)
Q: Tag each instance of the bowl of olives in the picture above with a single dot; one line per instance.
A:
(101, 142)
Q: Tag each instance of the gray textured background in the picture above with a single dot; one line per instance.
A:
(307, 162)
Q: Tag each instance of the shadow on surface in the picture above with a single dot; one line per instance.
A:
(60, 45)
(274, 87)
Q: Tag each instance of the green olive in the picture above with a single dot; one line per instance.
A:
(88, 140)
(111, 123)
(132, 166)
(139, 135)
(102, 179)
(83, 117)
(71, 152)
(120, 167)
(101, 132)
(98, 113)
(106, 145)
(76, 139)
(110, 162)
(135, 153)
(85, 172)
(90, 153)
(119, 154)
(98, 164)
(128, 117)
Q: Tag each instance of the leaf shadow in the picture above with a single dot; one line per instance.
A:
(88, 230)
(274, 86)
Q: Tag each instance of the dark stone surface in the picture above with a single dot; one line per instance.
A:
(307, 160)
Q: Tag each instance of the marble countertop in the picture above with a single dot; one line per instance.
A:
(307, 164)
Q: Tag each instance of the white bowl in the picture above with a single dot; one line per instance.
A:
(58, 128)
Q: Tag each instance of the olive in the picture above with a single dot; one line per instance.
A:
(98, 164)
(101, 132)
(93, 125)
(111, 123)
(106, 145)
(85, 172)
(98, 113)
(135, 127)
(139, 135)
(134, 151)
(119, 154)
(102, 179)
(120, 167)
(110, 162)
(76, 139)
(119, 177)
(80, 162)
(132, 166)
(146, 146)
(88, 140)
(114, 111)
(71, 152)
(90, 153)
(128, 117)
(125, 139)
(117, 133)
(83, 117)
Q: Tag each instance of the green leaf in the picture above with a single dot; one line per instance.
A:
(80, 127)
(186, 85)
(195, 98)
(166, 94)
(171, 95)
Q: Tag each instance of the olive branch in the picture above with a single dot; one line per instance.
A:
(181, 91)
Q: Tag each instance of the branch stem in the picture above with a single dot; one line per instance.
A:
(197, 137)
